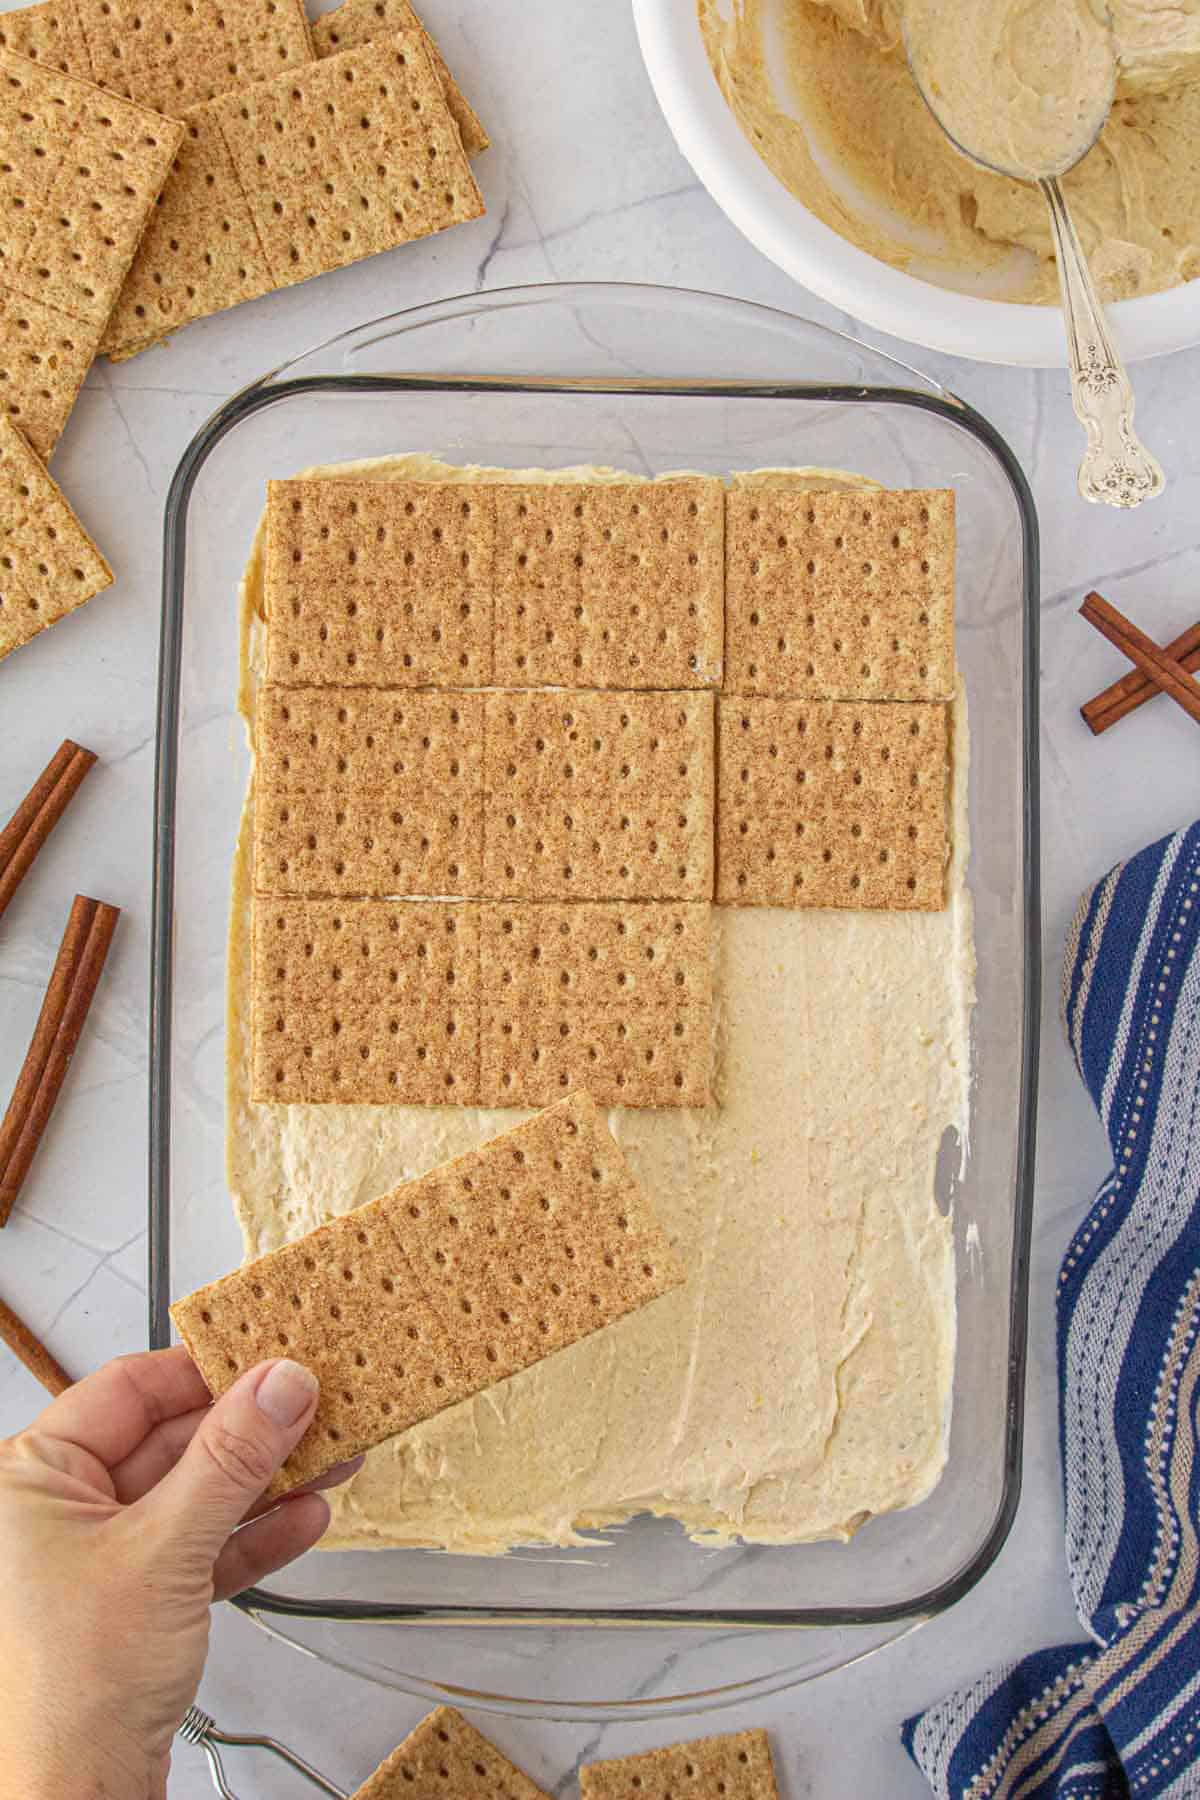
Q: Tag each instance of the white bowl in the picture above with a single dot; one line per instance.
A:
(783, 229)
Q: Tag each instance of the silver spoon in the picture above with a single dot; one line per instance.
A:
(1117, 469)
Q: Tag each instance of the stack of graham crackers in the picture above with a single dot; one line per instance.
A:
(163, 160)
(516, 739)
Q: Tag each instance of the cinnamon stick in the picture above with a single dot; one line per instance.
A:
(69, 995)
(1133, 690)
(1153, 661)
(38, 814)
(32, 1352)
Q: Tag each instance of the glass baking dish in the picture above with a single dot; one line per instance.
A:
(648, 379)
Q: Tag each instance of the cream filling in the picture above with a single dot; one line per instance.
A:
(822, 90)
(1154, 41)
(800, 1381)
(1022, 85)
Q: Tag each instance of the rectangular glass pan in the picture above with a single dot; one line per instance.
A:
(649, 380)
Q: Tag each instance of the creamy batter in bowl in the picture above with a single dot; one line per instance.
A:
(963, 270)
(1019, 85)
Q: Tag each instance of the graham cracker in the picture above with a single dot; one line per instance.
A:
(343, 1301)
(614, 998)
(534, 1241)
(172, 54)
(442, 1287)
(442, 1757)
(201, 249)
(379, 582)
(598, 796)
(80, 170)
(44, 358)
(737, 1767)
(50, 33)
(611, 586)
(365, 1000)
(833, 803)
(840, 596)
(165, 54)
(356, 22)
(368, 791)
(49, 565)
(331, 161)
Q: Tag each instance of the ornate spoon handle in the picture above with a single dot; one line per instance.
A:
(1117, 469)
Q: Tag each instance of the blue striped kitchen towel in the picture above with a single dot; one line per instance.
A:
(1118, 1715)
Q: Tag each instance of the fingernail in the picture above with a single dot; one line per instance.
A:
(286, 1392)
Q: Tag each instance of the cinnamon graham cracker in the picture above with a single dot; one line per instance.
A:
(610, 585)
(201, 250)
(51, 33)
(49, 565)
(442, 1287)
(430, 1003)
(533, 1242)
(581, 586)
(379, 582)
(80, 170)
(165, 54)
(173, 54)
(368, 791)
(832, 803)
(444, 1756)
(365, 1000)
(840, 595)
(598, 796)
(613, 998)
(317, 167)
(344, 1301)
(356, 22)
(737, 1767)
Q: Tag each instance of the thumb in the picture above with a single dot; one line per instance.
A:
(241, 1442)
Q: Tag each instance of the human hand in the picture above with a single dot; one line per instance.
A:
(120, 1509)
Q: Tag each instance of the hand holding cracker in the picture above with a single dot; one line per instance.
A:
(443, 1287)
(119, 1510)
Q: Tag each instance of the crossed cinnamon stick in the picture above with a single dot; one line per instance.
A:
(1157, 669)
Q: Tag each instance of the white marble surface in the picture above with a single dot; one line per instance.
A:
(583, 181)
